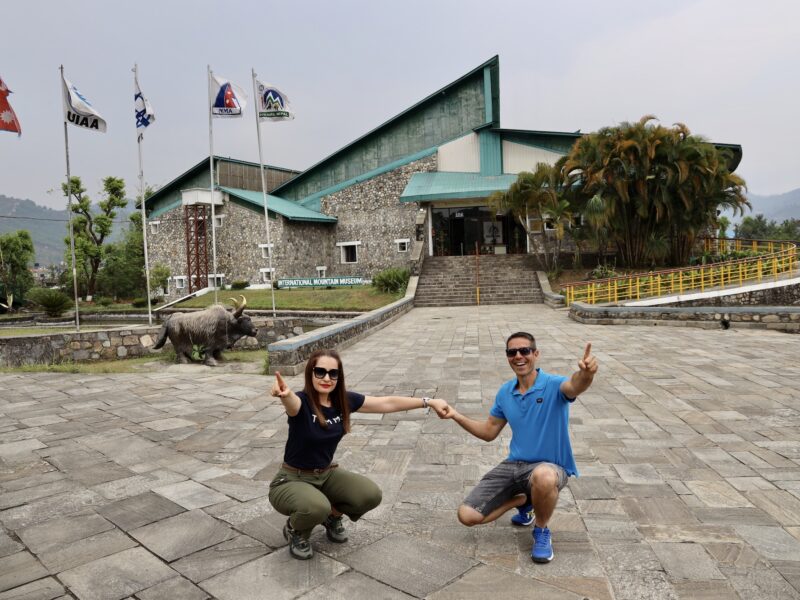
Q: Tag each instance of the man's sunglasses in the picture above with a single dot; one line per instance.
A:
(525, 351)
(320, 373)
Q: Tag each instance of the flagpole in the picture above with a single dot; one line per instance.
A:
(213, 213)
(69, 210)
(139, 138)
(264, 190)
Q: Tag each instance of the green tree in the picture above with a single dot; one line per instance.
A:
(16, 253)
(535, 199)
(159, 275)
(92, 226)
(759, 228)
(643, 182)
(723, 223)
(122, 272)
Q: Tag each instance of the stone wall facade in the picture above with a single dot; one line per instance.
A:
(788, 295)
(122, 343)
(370, 213)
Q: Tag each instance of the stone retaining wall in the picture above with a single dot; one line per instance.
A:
(289, 356)
(786, 318)
(551, 299)
(119, 343)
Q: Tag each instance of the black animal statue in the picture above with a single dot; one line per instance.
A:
(211, 330)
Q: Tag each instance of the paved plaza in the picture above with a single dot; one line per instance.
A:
(154, 485)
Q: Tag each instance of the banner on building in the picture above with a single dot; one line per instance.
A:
(79, 111)
(273, 104)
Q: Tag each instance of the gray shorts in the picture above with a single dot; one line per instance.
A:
(508, 479)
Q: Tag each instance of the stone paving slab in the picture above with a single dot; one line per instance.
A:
(155, 484)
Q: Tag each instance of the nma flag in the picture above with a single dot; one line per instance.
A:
(79, 111)
(273, 104)
(227, 99)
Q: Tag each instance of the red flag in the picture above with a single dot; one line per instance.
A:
(8, 120)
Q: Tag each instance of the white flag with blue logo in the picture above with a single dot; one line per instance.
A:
(79, 111)
(226, 98)
(273, 104)
(144, 112)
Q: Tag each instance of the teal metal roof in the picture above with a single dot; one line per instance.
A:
(286, 208)
(444, 186)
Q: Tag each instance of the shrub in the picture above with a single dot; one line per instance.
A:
(392, 281)
(602, 272)
(54, 302)
(139, 302)
(104, 301)
(239, 285)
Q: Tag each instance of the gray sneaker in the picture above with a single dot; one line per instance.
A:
(299, 547)
(335, 530)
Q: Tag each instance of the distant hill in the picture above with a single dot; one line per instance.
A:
(778, 207)
(48, 227)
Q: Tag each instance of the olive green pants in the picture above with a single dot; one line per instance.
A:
(307, 498)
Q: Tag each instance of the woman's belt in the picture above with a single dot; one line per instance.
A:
(309, 471)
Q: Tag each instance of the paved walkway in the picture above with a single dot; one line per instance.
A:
(154, 485)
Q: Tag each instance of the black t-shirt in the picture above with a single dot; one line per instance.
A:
(310, 446)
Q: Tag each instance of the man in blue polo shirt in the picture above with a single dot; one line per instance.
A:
(536, 406)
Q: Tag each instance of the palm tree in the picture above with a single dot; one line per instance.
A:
(643, 182)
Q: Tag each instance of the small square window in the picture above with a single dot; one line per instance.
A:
(266, 275)
(349, 252)
(218, 220)
(549, 224)
(154, 225)
(217, 281)
(321, 271)
(403, 245)
(180, 283)
(266, 250)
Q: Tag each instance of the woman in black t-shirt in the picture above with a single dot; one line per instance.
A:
(309, 487)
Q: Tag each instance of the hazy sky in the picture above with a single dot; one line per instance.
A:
(728, 69)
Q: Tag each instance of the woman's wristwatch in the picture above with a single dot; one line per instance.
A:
(425, 401)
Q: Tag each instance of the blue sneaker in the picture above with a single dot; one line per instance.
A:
(542, 551)
(524, 515)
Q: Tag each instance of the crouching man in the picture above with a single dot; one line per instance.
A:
(536, 405)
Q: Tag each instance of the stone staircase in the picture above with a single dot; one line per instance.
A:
(503, 279)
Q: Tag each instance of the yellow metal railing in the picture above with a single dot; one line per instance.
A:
(773, 259)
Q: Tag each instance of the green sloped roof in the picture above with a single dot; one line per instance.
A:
(286, 208)
(443, 186)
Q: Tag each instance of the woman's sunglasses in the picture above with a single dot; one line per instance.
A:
(525, 351)
(320, 373)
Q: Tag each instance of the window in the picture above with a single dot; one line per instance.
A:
(216, 280)
(266, 274)
(218, 220)
(154, 226)
(403, 245)
(266, 250)
(180, 282)
(321, 271)
(549, 224)
(577, 221)
(349, 252)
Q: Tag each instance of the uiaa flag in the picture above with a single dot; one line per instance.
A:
(79, 111)
(226, 98)
(8, 118)
(141, 106)
(273, 104)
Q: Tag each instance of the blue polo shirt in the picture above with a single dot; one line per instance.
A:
(539, 421)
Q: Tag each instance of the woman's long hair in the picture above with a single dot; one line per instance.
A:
(337, 396)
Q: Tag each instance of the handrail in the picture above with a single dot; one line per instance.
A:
(772, 262)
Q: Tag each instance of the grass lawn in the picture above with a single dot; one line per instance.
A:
(355, 298)
(137, 365)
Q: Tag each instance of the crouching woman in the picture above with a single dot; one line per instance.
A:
(309, 487)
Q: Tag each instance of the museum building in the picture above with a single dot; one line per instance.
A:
(416, 185)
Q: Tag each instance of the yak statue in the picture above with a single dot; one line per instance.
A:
(213, 330)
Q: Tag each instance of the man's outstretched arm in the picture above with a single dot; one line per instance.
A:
(485, 430)
(583, 377)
